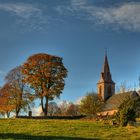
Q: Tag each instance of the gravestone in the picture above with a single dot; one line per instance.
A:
(30, 114)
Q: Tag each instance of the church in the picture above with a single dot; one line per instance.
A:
(106, 91)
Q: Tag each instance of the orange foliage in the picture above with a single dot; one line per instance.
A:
(5, 99)
(45, 74)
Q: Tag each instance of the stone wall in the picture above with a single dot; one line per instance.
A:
(52, 117)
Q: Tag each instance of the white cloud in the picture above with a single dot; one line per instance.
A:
(78, 2)
(124, 16)
(30, 16)
(22, 10)
(37, 111)
(78, 101)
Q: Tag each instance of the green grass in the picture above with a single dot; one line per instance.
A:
(64, 129)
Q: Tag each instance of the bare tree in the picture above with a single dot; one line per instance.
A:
(123, 88)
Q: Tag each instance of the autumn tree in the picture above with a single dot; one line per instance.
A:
(90, 105)
(45, 74)
(6, 105)
(20, 93)
(72, 110)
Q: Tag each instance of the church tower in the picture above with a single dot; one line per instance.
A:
(105, 86)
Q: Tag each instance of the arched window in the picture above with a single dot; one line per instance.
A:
(100, 90)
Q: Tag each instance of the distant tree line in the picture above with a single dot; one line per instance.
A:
(89, 105)
(64, 108)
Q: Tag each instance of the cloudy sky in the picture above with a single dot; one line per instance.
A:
(77, 30)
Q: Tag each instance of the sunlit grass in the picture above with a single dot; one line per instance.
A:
(64, 129)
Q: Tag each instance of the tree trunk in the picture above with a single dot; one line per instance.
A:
(17, 112)
(42, 106)
(8, 114)
(46, 106)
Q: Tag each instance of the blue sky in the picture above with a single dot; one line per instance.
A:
(77, 30)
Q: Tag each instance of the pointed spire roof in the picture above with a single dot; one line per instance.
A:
(106, 65)
(106, 74)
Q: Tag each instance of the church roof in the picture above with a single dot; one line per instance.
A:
(116, 100)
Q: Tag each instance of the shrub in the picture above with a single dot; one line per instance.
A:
(128, 111)
(90, 105)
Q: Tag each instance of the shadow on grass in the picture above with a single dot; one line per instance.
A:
(30, 137)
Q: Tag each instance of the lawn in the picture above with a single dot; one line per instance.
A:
(64, 129)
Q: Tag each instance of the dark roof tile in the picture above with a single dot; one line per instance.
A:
(116, 100)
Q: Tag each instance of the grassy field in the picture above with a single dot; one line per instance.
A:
(64, 129)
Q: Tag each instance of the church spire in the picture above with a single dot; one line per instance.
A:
(106, 74)
(106, 65)
(106, 86)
